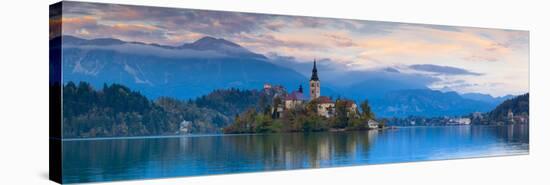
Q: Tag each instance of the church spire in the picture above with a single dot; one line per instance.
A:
(314, 83)
(314, 76)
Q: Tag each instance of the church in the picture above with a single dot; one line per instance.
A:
(325, 105)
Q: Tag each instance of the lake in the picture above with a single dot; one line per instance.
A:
(156, 157)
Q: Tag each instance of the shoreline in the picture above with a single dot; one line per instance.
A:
(241, 134)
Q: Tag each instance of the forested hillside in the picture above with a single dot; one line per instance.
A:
(115, 111)
(518, 107)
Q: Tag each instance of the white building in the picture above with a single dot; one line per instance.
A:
(325, 106)
(373, 124)
(295, 99)
(185, 126)
(460, 121)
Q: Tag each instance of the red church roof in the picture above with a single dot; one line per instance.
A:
(348, 103)
(295, 96)
(324, 99)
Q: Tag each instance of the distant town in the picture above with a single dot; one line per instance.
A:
(513, 111)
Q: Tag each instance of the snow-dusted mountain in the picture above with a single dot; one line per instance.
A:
(185, 71)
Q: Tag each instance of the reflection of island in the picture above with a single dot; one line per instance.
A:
(291, 112)
(117, 159)
(87, 160)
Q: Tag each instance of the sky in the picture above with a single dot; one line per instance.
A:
(462, 59)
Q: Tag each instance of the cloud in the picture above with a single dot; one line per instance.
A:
(215, 23)
(444, 70)
(501, 56)
(91, 27)
(391, 70)
(340, 40)
(270, 41)
(340, 74)
(134, 27)
(148, 50)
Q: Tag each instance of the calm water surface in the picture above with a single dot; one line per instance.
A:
(139, 158)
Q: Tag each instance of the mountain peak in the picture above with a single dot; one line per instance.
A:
(208, 42)
(68, 39)
(205, 43)
(487, 97)
(222, 46)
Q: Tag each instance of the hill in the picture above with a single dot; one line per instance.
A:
(117, 111)
(515, 110)
(487, 98)
(427, 103)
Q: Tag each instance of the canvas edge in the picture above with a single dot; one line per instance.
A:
(55, 143)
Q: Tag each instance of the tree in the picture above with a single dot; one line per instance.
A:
(341, 116)
(116, 110)
(367, 113)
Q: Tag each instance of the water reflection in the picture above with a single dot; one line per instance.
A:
(119, 159)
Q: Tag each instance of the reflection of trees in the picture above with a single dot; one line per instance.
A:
(113, 157)
(96, 160)
(93, 160)
(298, 150)
(503, 133)
(513, 133)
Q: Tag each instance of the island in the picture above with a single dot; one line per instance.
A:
(292, 112)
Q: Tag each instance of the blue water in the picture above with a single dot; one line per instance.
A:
(156, 157)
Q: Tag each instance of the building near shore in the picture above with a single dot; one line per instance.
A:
(460, 121)
(372, 124)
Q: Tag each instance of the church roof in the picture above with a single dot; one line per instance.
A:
(295, 96)
(348, 103)
(314, 72)
(324, 99)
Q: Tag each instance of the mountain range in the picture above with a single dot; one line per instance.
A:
(184, 72)
(487, 98)
(422, 102)
(197, 68)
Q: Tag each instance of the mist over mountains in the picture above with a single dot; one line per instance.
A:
(197, 68)
(183, 72)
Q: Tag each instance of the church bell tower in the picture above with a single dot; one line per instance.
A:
(314, 84)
